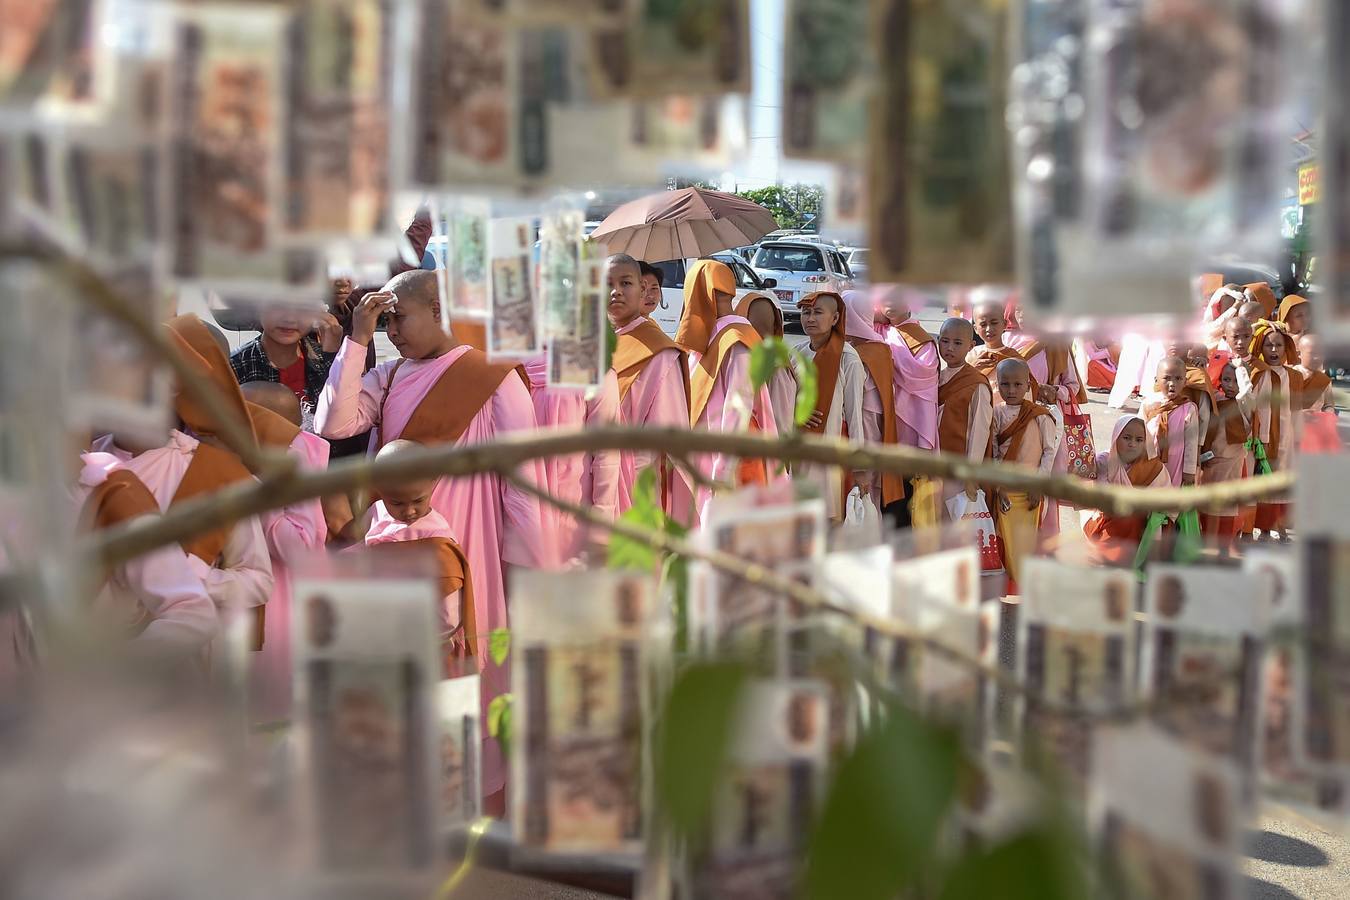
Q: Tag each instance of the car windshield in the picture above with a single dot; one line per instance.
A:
(790, 259)
(857, 257)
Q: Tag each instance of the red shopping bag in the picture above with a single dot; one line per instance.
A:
(1319, 432)
(1082, 454)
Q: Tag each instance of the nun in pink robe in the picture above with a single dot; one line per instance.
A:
(584, 479)
(657, 399)
(292, 533)
(497, 524)
(915, 385)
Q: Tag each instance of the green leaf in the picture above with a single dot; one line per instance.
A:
(646, 512)
(692, 742)
(675, 575)
(766, 358)
(499, 721)
(808, 386)
(883, 812)
(499, 644)
(1038, 864)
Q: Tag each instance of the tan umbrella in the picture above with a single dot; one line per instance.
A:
(683, 224)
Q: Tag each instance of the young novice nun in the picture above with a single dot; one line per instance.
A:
(722, 397)
(1222, 307)
(1174, 424)
(653, 382)
(1226, 445)
(1114, 540)
(232, 562)
(589, 479)
(841, 377)
(880, 422)
(965, 404)
(292, 533)
(990, 324)
(767, 319)
(1024, 433)
(1275, 385)
(1316, 382)
(1295, 315)
(914, 358)
(1259, 292)
(444, 392)
(405, 523)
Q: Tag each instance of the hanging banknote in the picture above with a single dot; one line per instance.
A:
(571, 272)
(457, 711)
(367, 663)
(335, 141)
(514, 314)
(938, 161)
(227, 111)
(827, 79)
(572, 13)
(674, 47)
(693, 133)
(459, 244)
(47, 52)
(580, 647)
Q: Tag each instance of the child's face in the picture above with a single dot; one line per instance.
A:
(651, 294)
(625, 293)
(1228, 385)
(408, 502)
(990, 325)
(1239, 337)
(286, 325)
(1013, 382)
(1171, 378)
(954, 342)
(1297, 320)
(893, 310)
(1130, 443)
(1310, 353)
(1272, 349)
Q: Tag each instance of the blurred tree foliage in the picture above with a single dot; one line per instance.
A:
(793, 205)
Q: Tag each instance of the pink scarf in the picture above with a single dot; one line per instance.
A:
(385, 529)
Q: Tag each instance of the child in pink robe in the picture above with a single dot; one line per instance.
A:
(1174, 424)
(585, 479)
(915, 357)
(497, 524)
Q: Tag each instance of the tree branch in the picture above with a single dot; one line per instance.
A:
(94, 290)
(505, 454)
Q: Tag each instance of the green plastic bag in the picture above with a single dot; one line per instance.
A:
(1256, 447)
(1189, 544)
(1152, 527)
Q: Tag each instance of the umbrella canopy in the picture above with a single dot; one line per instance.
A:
(683, 224)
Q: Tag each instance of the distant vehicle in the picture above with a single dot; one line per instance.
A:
(856, 257)
(799, 267)
(667, 315)
(1237, 272)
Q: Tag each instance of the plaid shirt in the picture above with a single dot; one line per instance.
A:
(250, 363)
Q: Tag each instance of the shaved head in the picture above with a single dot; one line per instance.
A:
(1013, 367)
(1252, 311)
(417, 286)
(957, 325)
(623, 260)
(276, 397)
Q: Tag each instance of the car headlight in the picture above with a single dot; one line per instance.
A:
(816, 279)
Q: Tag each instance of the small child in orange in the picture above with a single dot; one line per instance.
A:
(1024, 433)
(1224, 458)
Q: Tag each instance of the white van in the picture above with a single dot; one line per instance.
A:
(667, 315)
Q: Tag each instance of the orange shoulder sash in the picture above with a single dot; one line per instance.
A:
(704, 376)
(458, 395)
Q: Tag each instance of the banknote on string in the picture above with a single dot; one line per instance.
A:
(1168, 819)
(1203, 636)
(581, 644)
(1075, 655)
(460, 246)
(674, 48)
(937, 172)
(367, 664)
(227, 107)
(457, 713)
(513, 329)
(827, 80)
(338, 76)
(571, 13)
(767, 800)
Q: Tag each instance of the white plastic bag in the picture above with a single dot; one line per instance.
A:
(977, 512)
(861, 518)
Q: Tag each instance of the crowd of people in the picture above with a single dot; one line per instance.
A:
(1233, 406)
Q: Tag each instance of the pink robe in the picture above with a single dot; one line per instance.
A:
(1139, 358)
(243, 579)
(292, 533)
(1183, 441)
(1066, 393)
(183, 618)
(656, 399)
(496, 523)
(915, 385)
(585, 479)
(385, 529)
(729, 409)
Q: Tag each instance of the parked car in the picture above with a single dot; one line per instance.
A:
(856, 257)
(667, 315)
(799, 267)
